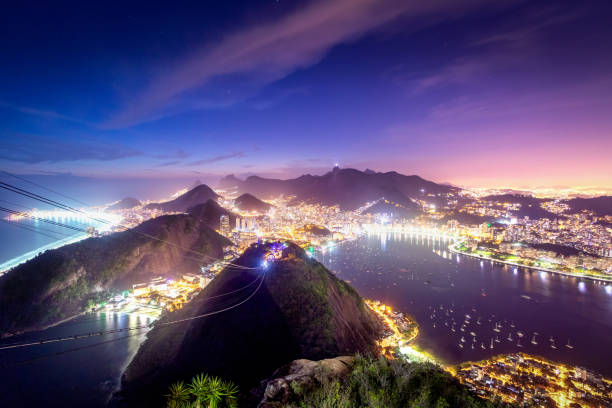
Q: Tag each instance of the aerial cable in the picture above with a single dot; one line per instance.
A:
(45, 188)
(127, 329)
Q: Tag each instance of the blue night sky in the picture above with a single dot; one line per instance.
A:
(474, 92)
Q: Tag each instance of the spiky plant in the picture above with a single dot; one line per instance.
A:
(178, 396)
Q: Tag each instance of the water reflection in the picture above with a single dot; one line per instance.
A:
(418, 275)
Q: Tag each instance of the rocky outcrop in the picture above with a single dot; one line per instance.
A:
(303, 375)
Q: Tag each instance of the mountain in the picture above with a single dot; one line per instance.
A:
(63, 282)
(348, 188)
(248, 202)
(193, 197)
(601, 206)
(210, 214)
(125, 204)
(298, 309)
(396, 211)
(530, 206)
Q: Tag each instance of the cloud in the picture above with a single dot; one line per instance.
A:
(217, 158)
(42, 113)
(179, 154)
(272, 51)
(36, 149)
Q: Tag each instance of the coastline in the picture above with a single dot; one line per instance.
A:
(452, 249)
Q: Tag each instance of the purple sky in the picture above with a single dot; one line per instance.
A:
(511, 93)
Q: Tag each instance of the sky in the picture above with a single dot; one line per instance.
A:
(506, 93)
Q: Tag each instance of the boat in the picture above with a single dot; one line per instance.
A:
(512, 324)
(526, 297)
(462, 328)
(472, 346)
(497, 328)
(460, 345)
(568, 345)
(552, 345)
(497, 339)
(453, 329)
(519, 333)
(491, 347)
(478, 321)
(434, 325)
(462, 339)
(482, 346)
(533, 340)
(519, 343)
(472, 334)
(510, 336)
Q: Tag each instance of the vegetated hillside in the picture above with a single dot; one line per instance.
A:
(210, 214)
(530, 206)
(125, 204)
(61, 283)
(348, 188)
(193, 197)
(601, 206)
(248, 202)
(393, 210)
(369, 383)
(317, 230)
(299, 310)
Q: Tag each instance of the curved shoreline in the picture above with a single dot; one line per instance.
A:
(452, 249)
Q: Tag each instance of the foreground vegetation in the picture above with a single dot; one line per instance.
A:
(382, 383)
(203, 391)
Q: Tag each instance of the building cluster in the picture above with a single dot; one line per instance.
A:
(533, 381)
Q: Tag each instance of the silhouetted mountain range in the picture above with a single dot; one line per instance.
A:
(193, 197)
(348, 188)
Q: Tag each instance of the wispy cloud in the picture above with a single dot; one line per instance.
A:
(39, 149)
(274, 50)
(48, 114)
(216, 159)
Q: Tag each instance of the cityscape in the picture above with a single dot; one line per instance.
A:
(306, 204)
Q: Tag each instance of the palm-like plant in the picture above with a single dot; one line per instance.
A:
(178, 396)
(199, 388)
(203, 391)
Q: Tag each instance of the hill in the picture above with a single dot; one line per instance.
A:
(300, 310)
(195, 196)
(125, 204)
(61, 283)
(348, 188)
(210, 214)
(601, 206)
(248, 202)
(530, 206)
(393, 210)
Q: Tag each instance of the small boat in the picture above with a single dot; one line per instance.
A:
(497, 339)
(472, 334)
(512, 324)
(462, 339)
(478, 321)
(497, 328)
(472, 346)
(462, 328)
(519, 333)
(552, 345)
(491, 347)
(551, 339)
(519, 343)
(453, 329)
(434, 325)
(533, 340)
(510, 336)
(568, 345)
(482, 346)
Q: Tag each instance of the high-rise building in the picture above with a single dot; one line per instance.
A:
(225, 225)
